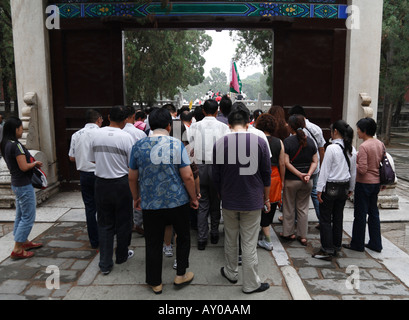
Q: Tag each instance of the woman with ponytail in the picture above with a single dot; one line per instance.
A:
(335, 184)
(301, 160)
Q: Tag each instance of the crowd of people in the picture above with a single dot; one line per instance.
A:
(165, 172)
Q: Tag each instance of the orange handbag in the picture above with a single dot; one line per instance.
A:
(276, 185)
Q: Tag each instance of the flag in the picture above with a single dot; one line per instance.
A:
(235, 82)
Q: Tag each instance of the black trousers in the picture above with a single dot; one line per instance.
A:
(154, 222)
(87, 180)
(114, 210)
(331, 219)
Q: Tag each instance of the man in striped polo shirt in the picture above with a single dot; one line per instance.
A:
(110, 150)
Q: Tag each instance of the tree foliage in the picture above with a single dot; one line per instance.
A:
(256, 46)
(217, 82)
(7, 73)
(394, 76)
(161, 63)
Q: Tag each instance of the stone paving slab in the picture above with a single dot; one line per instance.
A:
(334, 280)
(26, 279)
(290, 270)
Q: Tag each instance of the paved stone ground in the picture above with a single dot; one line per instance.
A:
(289, 269)
(66, 246)
(5, 228)
(332, 280)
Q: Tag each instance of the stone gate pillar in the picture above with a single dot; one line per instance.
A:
(363, 56)
(32, 57)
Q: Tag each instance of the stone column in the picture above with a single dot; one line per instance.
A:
(32, 57)
(363, 58)
(363, 54)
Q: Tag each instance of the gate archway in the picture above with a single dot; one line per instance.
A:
(314, 57)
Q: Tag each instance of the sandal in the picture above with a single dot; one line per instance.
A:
(22, 255)
(31, 245)
(303, 241)
(287, 238)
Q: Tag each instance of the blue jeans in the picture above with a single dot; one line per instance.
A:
(87, 180)
(366, 203)
(25, 212)
(314, 197)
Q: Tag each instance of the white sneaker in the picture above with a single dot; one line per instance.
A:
(131, 253)
(266, 245)
(175, 264)
(168, 251)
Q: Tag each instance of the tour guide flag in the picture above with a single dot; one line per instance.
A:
(235, 82)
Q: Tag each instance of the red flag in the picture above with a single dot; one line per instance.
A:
(235, 82)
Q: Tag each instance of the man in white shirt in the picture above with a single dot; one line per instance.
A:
(202, 136)
(135, 133)
(80, 144)
(110, 149)
(315, 133)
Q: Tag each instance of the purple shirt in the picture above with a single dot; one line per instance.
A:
(241, 170)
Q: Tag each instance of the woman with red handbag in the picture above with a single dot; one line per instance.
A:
(17, 159)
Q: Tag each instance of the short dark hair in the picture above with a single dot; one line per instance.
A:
(186, 116)
(210, 106)
(225, 105)
(92, 115)
(160, 119)
(131, 111)
(368, 126)
(297, 109)
(198, 113)
(118, 113)
(184, 108)
(239, 115)
(140, 115)
(238, 105)
(170, 107)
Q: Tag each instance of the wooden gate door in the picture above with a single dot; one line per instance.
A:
(86, 73)
(309, 70)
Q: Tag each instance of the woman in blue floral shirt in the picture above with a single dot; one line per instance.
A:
(162, 185)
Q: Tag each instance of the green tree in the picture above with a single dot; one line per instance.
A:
(7, 70)
(394, 76)
(254, 85)
(216, 80)
(161, 63)
(256, 46)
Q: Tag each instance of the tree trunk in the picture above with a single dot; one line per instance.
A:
(5, 79)
(387, 137)
(396, 114)
(384, 116)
